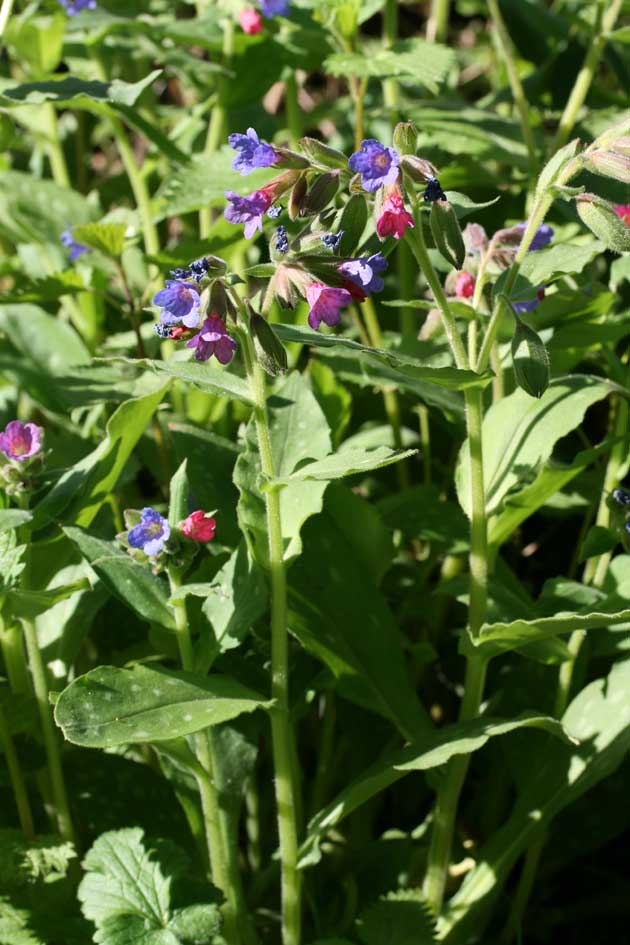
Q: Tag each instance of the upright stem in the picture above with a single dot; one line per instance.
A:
(216, 127)
(390, 35)
(56, 156)
(507, 52)
(223, 865)
(607, 13)
(5, 14)
(437, 25)
(280, 716)
(17, 779)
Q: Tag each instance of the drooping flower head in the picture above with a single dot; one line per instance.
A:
(365, 272)
(393, 219)
(151, 533)
(180, 303)
(251, 21)
(325, 304)
(76, 249)
(198, 527)
(248, 210)
(542, 237)
(464, 285)
(20, 441)
(272, 8)
(72, 7)
(623, 212)
(252, 153)
(377, 165)
(213, 339)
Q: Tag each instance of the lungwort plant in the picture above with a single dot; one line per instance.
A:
(314, 521)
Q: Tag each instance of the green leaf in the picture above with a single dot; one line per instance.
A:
(13, 518)
(80, 492)
(211, 380)
(16, 925)
(298, 431)
(31, 603)
(598, 541)
(348, 462)
(38, 40)
(196, 925)
(237, 597)
(431, 750)
(400, 918)
(422, 512)
(72, 89)
(106, 238)
(131, 582)
(110, 706)
(519, 434)
(547, 264)
(427, 64)
(32, 209)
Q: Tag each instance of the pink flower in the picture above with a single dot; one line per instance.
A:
(213, 339)
(623, 211)
(325, 304)
(248, 210)
(464, 285)
(198, 527)
(251, 21)
(393, 219)
(20, 440)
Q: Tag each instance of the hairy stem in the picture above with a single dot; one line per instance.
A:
(286, 800)
(16, 777)
(437, 25)
(216, 127)
(57, 158)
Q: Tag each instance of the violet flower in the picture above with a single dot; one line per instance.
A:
(20, 441)
(180, 303)
(325, 303)
(151, 534)
(376, 164)
(248, 210)
(542, 237)
(252, 153)
(76, 249)
(365, 272)
(270, 8)
(72, 7)
(528, 306)
(213, 339)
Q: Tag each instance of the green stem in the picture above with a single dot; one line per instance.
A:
(607, 14)
(223, 865)
(14, 658)
(49, 733)
(57, 158)
(5, 14)
(252, 824)
(280, 714)
(17, 779)
(506, 50)
(390, 35)
(216, 127)
(358, 88)
(437, 26)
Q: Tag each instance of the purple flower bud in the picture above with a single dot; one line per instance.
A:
(542, 237)
(252, 152)
(20, 441)
(213, 339)
(332, 240)
(365, 272)
(433, 191)
(76, 249)
(151, 534)
(72, 7)
(248, 210)
(325, 304)
(270, 8)
(180, 303)
(377, 165)
(529, 306)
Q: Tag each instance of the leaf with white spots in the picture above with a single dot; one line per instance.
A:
(348, 463)
(112, 706)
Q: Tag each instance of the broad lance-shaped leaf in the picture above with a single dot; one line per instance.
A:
(31, 603)
(498, 637)
(13, 518)
(298, 431)
(107, 238)
(348, 462)
(414, 59)
(78, 91)
(212, 380)
(599, 717)
(131, 582)
(519, 434)
(80, 492)
(111, 706)
(430, 751)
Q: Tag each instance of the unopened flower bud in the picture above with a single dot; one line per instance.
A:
(198, 526)
(322, 154)
(417, 168)
(270, 352)
(609, 163)
(296, 196)
(405, 137)
(320, 193)
(447, 233)
(290, 159)
(601, 219)
(530, 360)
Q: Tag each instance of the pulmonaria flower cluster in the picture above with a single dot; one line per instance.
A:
(393, 219)
(75, 249)
(150, 534)
(325, 304)
(180, 302)
(252, 153)
(72, 7)
(377, 165)
(20, 441)
(213, 339)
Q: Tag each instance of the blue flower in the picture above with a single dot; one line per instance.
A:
(151, 534)
(365, 272)
(332, 240)
(76, 249)
(274, 212)
(252, 152)
(72, 7)
(282, 241)
(270, 8)
(180, 303)
(529, 306)
(376, 164)
(248, 210)
(542, 237)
